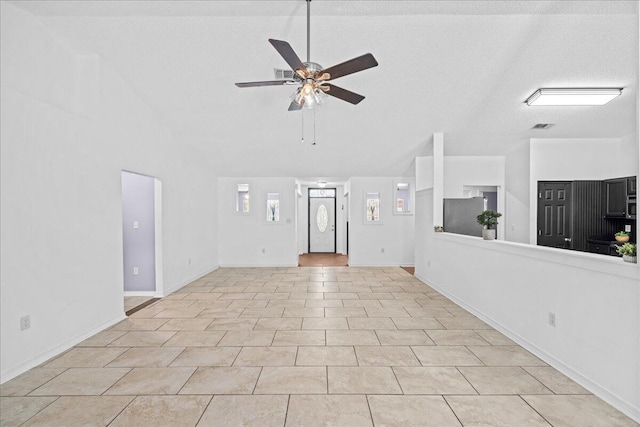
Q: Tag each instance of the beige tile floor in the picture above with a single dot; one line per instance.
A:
(307, 346)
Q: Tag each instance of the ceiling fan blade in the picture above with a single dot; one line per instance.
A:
(266, 83)
(351, 66)
(345, 95)
(294, 106)
(286, 51)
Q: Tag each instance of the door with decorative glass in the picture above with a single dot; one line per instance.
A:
(322, 224)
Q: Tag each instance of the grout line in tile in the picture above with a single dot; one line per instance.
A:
(449, 405)
(257, 380)
(398, 381)
(205, 409)
(534, 409)
(537, 380)
(286, 414)
(326, 373)
(467, 380)
(133, 397)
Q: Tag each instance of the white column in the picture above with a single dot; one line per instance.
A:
(438, 177)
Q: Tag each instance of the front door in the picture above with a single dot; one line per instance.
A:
(322, 224)
(554, 214)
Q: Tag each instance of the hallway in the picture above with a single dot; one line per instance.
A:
(306, 346)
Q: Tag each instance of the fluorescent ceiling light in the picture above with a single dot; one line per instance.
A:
(577, 96)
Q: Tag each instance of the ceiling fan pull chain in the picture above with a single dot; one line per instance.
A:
(314, 126)
(302, 116)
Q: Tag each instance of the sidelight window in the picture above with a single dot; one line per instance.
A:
(372, 207)
(273, 207)
(242, 198)
(402, 197)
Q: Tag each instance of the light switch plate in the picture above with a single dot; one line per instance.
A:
(627, 228)
(136, 225)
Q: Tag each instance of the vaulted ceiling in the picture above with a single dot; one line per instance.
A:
(459, 67)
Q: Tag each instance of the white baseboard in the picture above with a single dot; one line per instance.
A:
(185, 282)
(258, 265)
(386, 264)
(614, 400)
(48, 354)
(142, 294)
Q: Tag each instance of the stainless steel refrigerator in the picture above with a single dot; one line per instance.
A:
(460, 215)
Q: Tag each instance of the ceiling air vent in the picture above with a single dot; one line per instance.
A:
(283, 74)
(542, 126)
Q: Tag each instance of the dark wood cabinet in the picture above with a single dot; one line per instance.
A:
(631, 186)
(597, 248)
(615, 198)
(585, 215)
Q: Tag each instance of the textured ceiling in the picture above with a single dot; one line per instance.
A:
(463, 68)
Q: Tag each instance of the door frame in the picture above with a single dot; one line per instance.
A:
(158, 259)
(335, 217)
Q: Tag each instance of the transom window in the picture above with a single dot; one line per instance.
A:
(322, 192)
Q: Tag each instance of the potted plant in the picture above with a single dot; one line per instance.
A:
(628, 252)
(488, 219)
(622, 237)
(438, 228)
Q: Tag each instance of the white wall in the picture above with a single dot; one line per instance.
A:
(69, 126)
(514, 286)
(578, 159)
(244, 236)
(424, 173)
(516, 172)
(394, 233)
(461, 171)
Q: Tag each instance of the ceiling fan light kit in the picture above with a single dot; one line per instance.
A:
(312, 78)
(572, 96)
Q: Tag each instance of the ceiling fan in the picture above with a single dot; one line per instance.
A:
(312, 78)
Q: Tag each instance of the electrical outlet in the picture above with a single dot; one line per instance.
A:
(135, 271)
(382, 250)
(627, 228)
(552, 319)
(25, 322)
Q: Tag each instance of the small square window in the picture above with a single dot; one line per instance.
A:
(273, 207)
(402, 197)
(242, 198)
(372, 207)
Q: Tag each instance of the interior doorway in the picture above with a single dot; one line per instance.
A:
(322, 220)
(141, 238)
